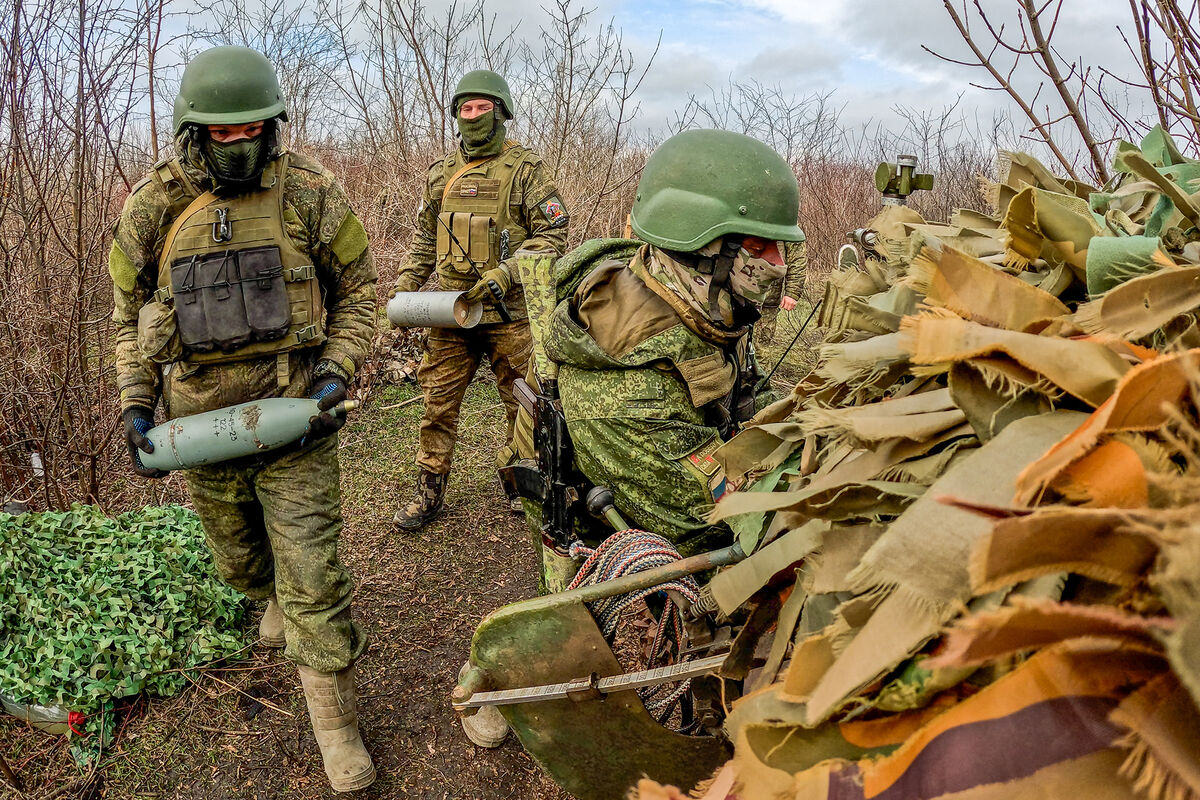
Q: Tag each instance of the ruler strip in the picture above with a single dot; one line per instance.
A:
(615, 683)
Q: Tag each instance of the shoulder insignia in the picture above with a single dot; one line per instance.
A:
(554, 211)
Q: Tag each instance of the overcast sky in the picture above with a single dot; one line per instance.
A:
(868, 51)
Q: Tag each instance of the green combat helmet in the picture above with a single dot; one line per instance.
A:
(484, 83)
(702, 184)
(228, 86)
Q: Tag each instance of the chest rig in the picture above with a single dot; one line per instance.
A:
(482, 208)
(239, 285)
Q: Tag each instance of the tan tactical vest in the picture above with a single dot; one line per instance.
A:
(239, 286)
(481, 204)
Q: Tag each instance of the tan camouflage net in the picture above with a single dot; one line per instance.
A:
(988, 494)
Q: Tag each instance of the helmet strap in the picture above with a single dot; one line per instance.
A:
(495, 127)
(719, 266)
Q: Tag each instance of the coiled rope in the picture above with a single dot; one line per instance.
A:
(625, 553)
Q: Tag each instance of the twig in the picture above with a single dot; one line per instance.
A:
(16, 782)
(1060, 84)
(227, 732)
(402, 403)
(266, 703)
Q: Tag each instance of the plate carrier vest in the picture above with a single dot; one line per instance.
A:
(240, 287)
(479, 203)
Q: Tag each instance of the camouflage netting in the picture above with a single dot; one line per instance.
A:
(94, 608)
(980, 509)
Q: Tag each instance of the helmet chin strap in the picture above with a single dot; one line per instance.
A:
(719, 266)
(495, 127)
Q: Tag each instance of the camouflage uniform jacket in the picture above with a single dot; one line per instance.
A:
(318, 219)
(637, 369)
(537, 216)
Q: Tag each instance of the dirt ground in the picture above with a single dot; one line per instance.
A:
(243, 732)
(419, 598)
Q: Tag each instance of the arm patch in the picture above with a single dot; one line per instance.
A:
(350, 241)
(120, 267)
(554, 212)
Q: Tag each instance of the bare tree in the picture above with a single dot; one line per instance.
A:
(578, 86)
(69, 87)
(1167, 52)
(302, 48)
(1002, 56)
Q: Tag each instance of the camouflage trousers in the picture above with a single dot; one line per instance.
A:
(446, 371)
(272, 523)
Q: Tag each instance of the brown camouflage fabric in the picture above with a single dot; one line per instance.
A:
(272, 525)
(279, 514)
(446, 371)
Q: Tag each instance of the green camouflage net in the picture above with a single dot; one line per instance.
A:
(94, 608)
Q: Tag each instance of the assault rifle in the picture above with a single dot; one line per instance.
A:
(552, 480)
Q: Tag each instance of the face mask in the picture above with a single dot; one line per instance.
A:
(483, 135)
(752, 277)
(235, 162)
(477, 131)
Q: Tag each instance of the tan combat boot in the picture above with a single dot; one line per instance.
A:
(487, 726)
(270, 627)
(431, 488)
(333, 709)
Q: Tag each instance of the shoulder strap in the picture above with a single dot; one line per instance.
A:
(178, 189)
(200, 202)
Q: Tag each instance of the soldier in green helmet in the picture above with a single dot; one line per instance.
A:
(482, 201)
(783, 295)
(649, 336)
(240, 273)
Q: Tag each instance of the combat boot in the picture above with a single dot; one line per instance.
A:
(270, 627)
(431, 488)
(333, 710)
(487, 726)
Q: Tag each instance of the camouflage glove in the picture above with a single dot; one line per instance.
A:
(138, 421)
(328, 390)
(491, 287)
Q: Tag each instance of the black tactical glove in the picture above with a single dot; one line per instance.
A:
(138, 421)
(328, 390)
